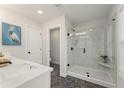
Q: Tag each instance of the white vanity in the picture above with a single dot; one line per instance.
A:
(25, 74)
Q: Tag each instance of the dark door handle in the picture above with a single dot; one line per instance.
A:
(29, 52)
(84, 50)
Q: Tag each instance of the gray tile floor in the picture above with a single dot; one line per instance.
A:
(69, 82)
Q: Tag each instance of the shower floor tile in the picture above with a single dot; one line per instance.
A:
(101, 75)
(69, 81)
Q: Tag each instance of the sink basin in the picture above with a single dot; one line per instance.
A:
(14, 71)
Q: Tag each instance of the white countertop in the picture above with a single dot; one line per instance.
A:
(15, 81)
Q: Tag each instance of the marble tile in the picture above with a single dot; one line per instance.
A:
(69, 82)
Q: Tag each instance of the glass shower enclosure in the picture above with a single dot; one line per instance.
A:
(86, 47)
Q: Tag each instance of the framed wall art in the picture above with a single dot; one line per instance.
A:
(11, 34)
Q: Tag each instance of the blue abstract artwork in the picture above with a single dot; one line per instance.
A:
(11, 34)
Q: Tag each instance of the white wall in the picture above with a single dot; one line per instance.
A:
(57, 22)
(15, 19)
(112, 42)
(118, 13)
(55, 45)
(118, 47)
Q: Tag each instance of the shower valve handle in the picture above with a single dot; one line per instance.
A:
(84, 50)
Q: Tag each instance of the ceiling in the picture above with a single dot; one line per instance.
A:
(77, 13)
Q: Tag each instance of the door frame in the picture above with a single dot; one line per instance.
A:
(48, 43)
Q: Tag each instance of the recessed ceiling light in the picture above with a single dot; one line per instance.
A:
(40, 12)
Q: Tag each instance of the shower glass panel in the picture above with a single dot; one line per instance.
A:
(85, 49)
(79, 50)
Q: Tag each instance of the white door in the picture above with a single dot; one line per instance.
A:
(34, 44)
